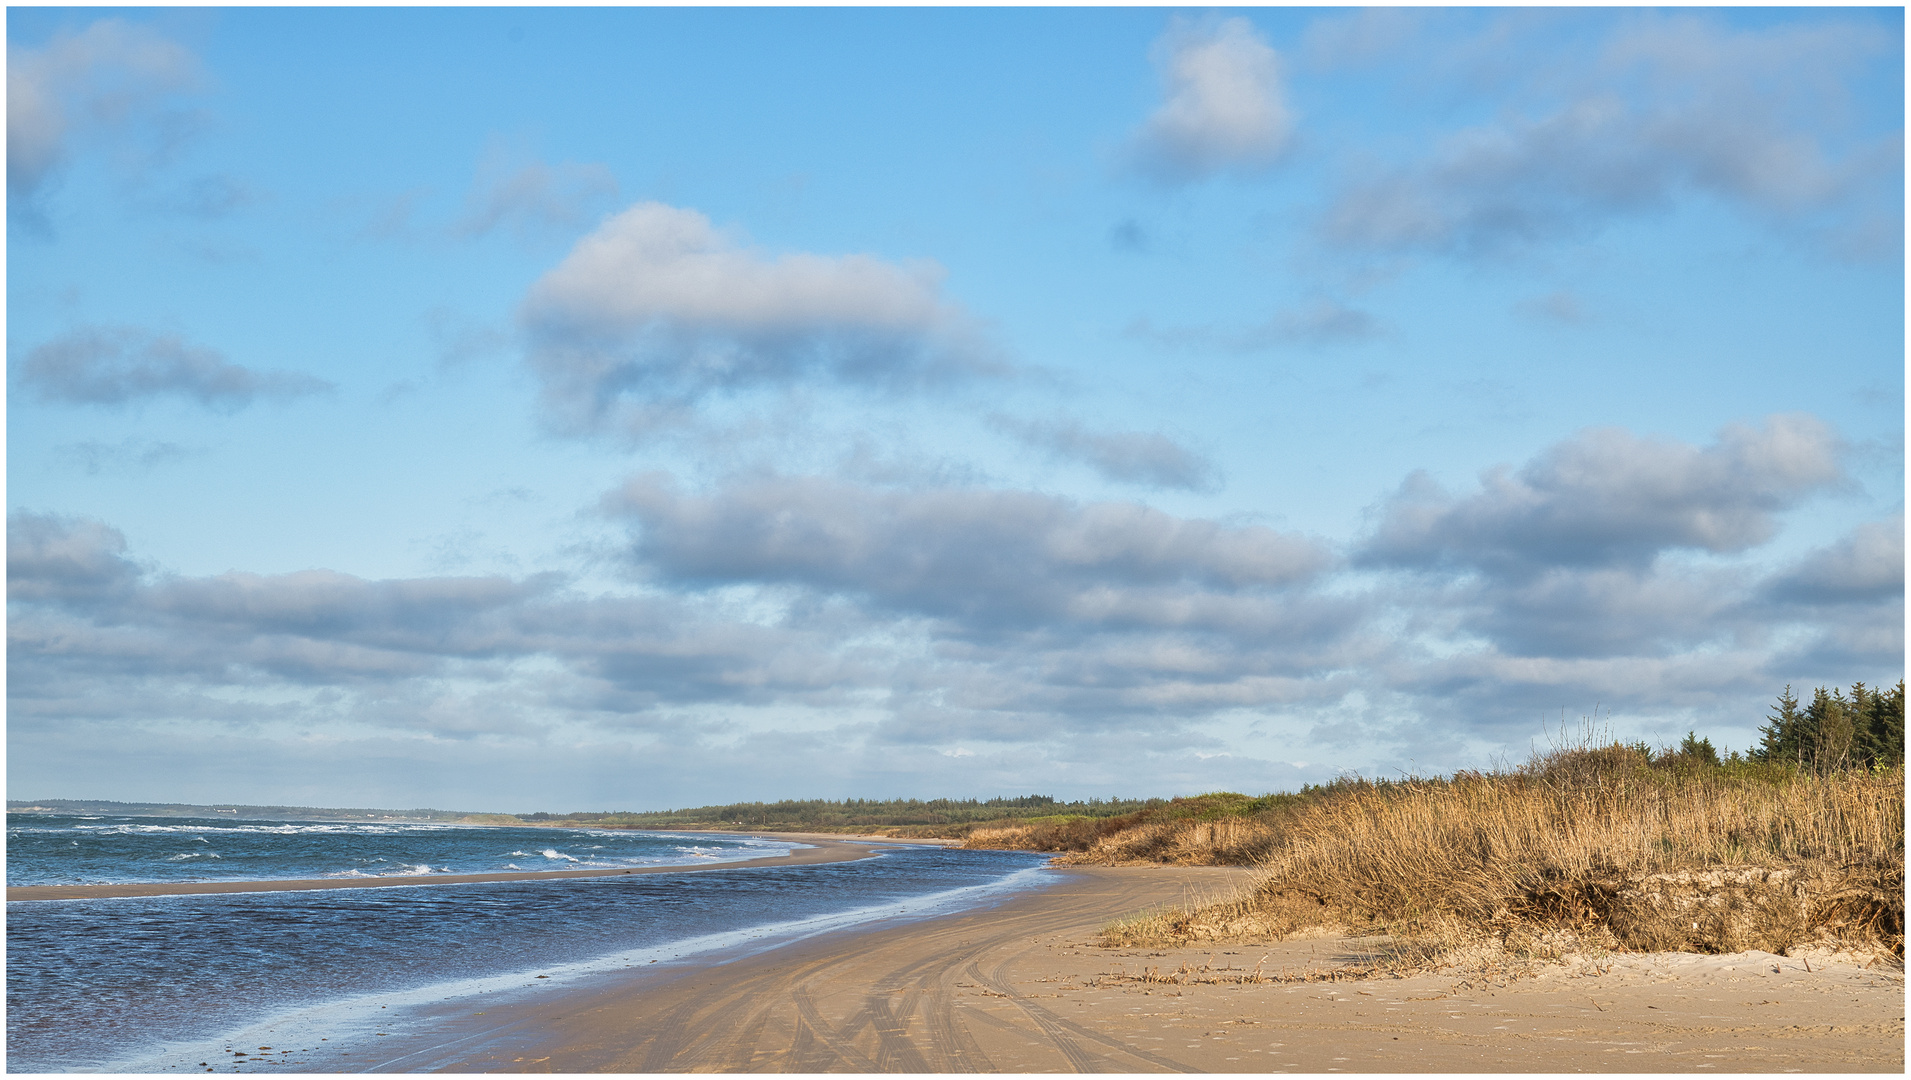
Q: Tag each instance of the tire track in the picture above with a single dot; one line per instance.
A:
(1054, 1026)
(851, 1056)
(1062, 1043)
(896, 999)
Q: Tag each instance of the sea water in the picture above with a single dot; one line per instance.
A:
(66, 849)
(163, 983)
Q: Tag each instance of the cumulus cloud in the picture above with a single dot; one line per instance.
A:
(659, 308)
(81, 613)
(1609, 497)
(773, 612)
(1865, 566)
(1224, 109)
(1144, 458)
(992, 557)
(1140, 638)
(117, 365)
(52, 556)
(1623, 571)
(103, 77)
(1665, 108)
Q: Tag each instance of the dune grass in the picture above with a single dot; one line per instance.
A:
(1593, 847)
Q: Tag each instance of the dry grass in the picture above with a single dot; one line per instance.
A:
(1122, 842)
(1581, 850)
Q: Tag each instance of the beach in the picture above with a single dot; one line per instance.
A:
(1019, 987)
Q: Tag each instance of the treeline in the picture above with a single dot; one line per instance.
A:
(827, 815)
(1834, 732)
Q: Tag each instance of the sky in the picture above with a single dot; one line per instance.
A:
(523, 409)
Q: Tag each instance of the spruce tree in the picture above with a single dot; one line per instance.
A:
(1880, 722)
(1829, 733)
(1778, 740)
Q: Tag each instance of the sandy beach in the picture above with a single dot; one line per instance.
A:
(822, 849)
(1020, 988)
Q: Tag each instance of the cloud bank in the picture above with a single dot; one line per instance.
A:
(1609, 569)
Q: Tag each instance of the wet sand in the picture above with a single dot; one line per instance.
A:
(824, 849)
(1020, 988)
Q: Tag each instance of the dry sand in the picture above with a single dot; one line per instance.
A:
(824, 849)
(1021, 988)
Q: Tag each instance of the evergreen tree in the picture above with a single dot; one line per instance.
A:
(1696, 750)
(1879, 720)
(1829, 733)
(1778, 740)
(1834, 731)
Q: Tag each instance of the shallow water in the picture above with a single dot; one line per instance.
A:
(154, 982)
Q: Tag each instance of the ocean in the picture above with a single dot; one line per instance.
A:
(297, 980)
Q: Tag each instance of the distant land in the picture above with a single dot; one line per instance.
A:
(248, 812)
(901, 817)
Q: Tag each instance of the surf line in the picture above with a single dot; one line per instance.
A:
(811, 851)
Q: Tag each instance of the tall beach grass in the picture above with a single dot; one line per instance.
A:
(1602, 845)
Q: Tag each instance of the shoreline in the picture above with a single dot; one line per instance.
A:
(821, 849)
(1019, 986)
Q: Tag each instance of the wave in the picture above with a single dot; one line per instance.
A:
(318, 828)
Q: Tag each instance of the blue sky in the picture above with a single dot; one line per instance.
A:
(538, 409)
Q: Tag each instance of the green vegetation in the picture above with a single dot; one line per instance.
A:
(920, 818)
(1834, 732)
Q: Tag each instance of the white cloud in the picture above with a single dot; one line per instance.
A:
(1867, 565)
(117, 365)
(984, 556)
(102, 77)
(1609, 569)
(1146, 458)
(1225, 107)
(1607, 497)
(658, 306)
(1662, 110)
